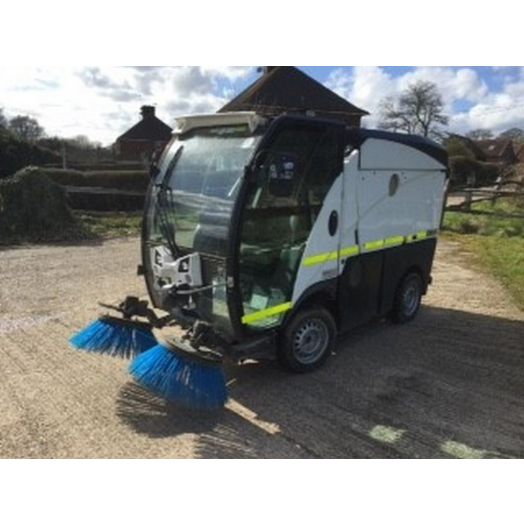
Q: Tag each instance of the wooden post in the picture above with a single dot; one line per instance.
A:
(469, 198)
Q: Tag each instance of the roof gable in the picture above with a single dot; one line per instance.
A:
(287, 89)
(495, 147)
(149, 128)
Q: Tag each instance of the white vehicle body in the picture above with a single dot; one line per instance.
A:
(341, 222)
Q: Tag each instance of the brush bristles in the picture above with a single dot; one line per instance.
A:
(114, 339)
(183, 381)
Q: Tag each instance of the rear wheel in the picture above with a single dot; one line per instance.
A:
(407, 299)
(308, 340)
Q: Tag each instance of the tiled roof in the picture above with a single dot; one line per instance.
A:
(149, 128)
(287, 89)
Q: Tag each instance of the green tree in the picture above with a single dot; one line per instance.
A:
(457, 147)
(3, 119)
(26, 128)
(419, 110)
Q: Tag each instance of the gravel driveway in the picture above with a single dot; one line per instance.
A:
(450, 384)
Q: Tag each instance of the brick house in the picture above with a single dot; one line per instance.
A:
(498, 151)
(143, 139)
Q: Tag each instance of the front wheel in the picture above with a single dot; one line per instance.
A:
(407, 299)
(308, 340)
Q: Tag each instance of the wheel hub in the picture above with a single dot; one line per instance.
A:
(310, 341)
(410, 299)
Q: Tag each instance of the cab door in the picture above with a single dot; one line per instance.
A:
(290, 226)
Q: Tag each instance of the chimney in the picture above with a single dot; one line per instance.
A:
(147, 111)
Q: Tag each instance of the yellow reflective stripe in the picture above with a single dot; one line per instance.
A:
(394, 241)
(349, 251)
(372, 246)
(318, 259)
(421, 235)
(266, 313)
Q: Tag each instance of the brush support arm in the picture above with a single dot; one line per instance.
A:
(134, 307)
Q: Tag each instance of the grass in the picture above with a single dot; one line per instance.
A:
(488, 225)
(111, 225)
(497, 243)
(502, 257)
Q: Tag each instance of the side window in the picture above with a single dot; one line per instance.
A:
(278, 218)
(325, 165)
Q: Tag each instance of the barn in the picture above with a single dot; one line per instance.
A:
(286, 89)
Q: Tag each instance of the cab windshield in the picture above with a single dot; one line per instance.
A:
(200, 183)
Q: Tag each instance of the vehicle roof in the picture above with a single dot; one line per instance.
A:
(354, 136)
(358, 136)
(189, 122)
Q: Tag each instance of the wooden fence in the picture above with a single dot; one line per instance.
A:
(462, 201)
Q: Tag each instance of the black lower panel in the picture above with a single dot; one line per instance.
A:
(359, 289)
(398, 261)
(368, 283)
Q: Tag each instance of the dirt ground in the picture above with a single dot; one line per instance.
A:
(450, 384)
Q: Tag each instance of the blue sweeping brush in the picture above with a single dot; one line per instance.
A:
(182, 375)
(116, 337)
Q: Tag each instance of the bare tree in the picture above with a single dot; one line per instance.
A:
(419, 110)
(480, 134)
(26, 128)
(3, 119)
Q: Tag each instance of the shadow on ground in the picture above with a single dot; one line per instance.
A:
(447, 385)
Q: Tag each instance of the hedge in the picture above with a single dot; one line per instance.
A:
(100, 166)
(16, 154)
(105, 202)
(33, 208)
(124, 180)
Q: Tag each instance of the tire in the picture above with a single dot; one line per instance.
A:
(407, 299)
(307, 341)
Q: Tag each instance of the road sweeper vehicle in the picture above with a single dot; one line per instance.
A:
(265, 238)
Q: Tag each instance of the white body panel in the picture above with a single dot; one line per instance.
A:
(416, 205)
(378, 154)
(350, 205)
(321, 244)
(369, 212)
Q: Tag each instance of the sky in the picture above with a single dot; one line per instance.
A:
(103, 102)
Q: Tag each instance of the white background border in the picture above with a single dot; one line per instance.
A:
(401, 32)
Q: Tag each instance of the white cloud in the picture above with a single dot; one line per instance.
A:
(365, 87)
(454, 84)
(229, 72)
(102, 102)
(368, 86)
(497, 111)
